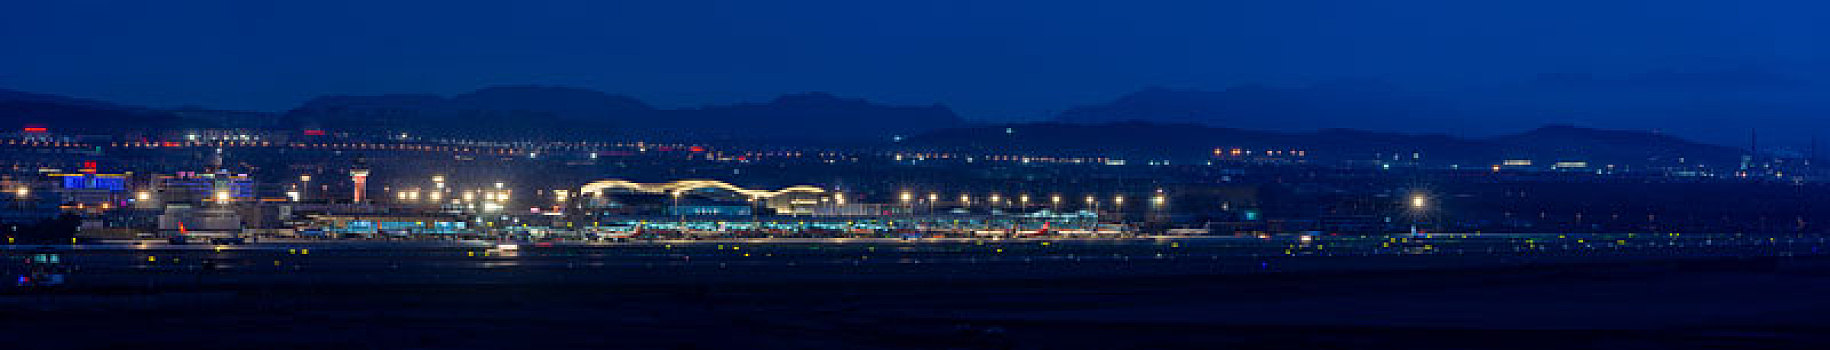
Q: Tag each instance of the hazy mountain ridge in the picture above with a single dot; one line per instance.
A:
(1187, 140)
(811, 118)
(536, 109)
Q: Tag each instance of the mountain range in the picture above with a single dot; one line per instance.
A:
(553, 111)
(1543, 145)
(1152, 122)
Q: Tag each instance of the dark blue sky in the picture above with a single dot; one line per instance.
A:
(990, 60)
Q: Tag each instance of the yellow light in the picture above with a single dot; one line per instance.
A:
(142, 195)
(222, 196)
(22, 191)
(1418, 201)
(906, 197)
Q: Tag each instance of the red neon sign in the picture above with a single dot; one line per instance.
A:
(36, 129)
(314, 132)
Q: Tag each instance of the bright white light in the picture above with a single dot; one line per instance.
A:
(1418, 201)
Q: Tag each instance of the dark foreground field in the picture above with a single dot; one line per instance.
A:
(1722, 301)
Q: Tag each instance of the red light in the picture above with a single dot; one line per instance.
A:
(314, 132)
(36, 130)
(698, 149)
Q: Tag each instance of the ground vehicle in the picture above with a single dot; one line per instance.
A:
(43, 270)
(228, 240)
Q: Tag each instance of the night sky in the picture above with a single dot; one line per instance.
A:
(1751, 64)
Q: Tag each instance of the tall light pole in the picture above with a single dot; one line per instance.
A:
(304, 185)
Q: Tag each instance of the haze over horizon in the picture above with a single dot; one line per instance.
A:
(1692, 68)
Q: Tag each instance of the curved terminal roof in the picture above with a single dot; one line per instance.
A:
(689, 185)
